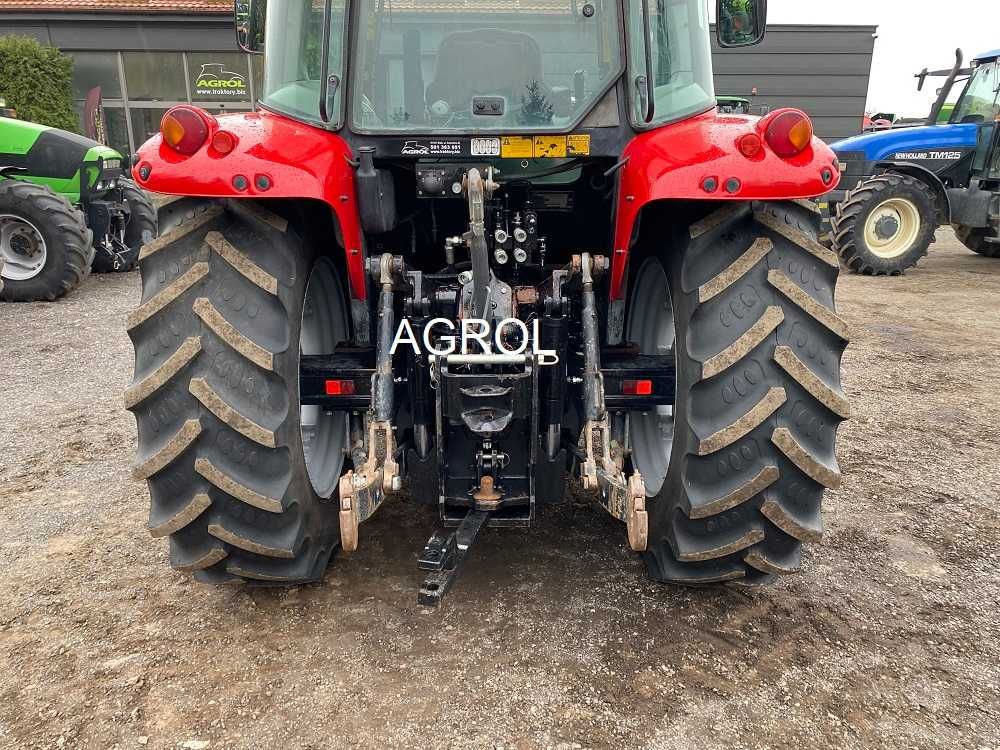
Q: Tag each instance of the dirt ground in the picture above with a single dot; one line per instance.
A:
(552, 638)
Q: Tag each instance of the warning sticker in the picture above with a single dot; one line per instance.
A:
(550, 146)
(515, 147)
(578, 144)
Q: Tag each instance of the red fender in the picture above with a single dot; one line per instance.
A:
(680, 161)
(278, 158)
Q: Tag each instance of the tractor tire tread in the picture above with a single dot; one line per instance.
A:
(69, 242)
(847, 225)
(754, 436)
(975, 240)
(219, 441)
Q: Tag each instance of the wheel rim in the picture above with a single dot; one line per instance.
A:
(22, 247)
(324, 325)
(892, 228)
(651, 327)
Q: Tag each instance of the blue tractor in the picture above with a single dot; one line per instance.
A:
(900, 185)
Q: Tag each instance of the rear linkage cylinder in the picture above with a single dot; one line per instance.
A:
(623, 497)
(362, 492)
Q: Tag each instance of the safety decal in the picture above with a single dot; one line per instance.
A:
(550, 146)
(516, 147)
(578, 144)
(543, 146)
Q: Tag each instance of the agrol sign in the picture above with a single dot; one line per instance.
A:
(214, 80)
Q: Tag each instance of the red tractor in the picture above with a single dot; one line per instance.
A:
(485, 248)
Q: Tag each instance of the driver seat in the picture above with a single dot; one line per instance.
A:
(486, 62)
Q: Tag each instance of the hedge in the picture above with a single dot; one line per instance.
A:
(37, 82)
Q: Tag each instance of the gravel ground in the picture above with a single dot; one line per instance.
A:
(552, 638)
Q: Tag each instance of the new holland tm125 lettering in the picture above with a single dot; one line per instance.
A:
(483, 249)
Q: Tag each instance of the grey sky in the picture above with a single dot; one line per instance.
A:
(912, 34)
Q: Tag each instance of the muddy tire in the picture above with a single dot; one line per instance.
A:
(975, 240)
(141, 228)
(885, 225)
(217, 339)
(757, 346)
(46, 243)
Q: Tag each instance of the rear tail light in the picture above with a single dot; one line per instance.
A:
(184, 129)
(223, 142)
(751, 145)
(637, 387)
(339, 387)
(788, 132)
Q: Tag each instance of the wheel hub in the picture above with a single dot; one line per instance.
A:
(892, 228)
(22, 248)
(887, 227)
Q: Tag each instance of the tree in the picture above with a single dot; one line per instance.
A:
(37, 80)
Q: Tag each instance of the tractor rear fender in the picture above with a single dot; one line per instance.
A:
(700, 159)
(927, 177)
(274, 158)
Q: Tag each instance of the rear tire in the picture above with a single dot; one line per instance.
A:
(975, 240)
(885, 225)
(65, 237)
(141, 228)
(216, 396)
(758, 348)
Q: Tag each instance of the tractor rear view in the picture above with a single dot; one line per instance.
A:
(488, 252)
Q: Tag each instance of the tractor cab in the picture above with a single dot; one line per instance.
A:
(980, 105)
(980, 101)
(390, 69)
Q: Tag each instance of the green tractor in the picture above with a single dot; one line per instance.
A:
(66, 207)
(733, 105)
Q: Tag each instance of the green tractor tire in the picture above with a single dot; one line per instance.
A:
(45, 245)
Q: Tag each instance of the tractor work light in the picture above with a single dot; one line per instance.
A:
(788, 132)
(184, 129)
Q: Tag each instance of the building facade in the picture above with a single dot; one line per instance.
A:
(148, 55)
(823, 70)
(145, 55)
